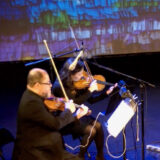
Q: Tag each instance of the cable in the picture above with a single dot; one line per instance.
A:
(74, 148)
(108, 147)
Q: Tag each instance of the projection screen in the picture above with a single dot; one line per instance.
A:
(103, 27)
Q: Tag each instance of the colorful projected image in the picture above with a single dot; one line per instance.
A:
(104, 27)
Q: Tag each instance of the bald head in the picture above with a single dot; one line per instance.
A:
(35, 75)
(38, 81)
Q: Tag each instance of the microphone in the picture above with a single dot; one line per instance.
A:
(74, 63)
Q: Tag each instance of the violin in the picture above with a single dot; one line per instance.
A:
(58, 104)
(55, 104)
(85, 81)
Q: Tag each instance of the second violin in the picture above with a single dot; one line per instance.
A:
(86, 79)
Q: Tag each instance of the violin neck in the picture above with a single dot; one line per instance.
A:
(105, 83)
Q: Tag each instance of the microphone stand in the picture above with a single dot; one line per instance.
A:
(54, 56)
(142, 85)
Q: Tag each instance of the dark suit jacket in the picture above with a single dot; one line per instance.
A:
(38, 136)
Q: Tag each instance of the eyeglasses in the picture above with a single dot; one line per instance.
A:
(47, 83)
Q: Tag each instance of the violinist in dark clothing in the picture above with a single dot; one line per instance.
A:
(38, 136)
(79, 96)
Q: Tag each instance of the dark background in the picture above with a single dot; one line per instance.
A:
(142, 66)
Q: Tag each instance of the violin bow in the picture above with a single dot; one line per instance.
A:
(85, 63)
(57, 74)
(55, 69)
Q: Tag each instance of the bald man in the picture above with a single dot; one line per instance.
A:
(38, 136)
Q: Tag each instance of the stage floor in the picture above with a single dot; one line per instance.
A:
(9, 105)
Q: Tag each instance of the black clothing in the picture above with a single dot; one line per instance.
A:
(77, 127)
(38, 136)
(81, 127)
(80, 96)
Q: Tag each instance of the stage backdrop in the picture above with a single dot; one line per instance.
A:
(103, 27)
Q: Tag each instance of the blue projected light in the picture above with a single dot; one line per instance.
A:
(106, 27)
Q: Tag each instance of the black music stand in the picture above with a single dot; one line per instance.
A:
(142, 85)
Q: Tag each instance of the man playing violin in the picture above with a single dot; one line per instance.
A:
(79, 96)
(38, 136)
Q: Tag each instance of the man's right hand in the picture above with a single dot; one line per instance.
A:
(70, 105)
(82, 111)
